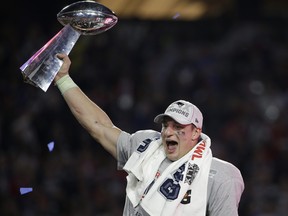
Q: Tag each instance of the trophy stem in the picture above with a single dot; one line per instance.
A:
(41, 69)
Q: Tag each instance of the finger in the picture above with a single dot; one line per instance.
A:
(61, 56)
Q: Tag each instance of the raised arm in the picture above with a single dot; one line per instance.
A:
(88, 114)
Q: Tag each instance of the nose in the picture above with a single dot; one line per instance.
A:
(168, 131)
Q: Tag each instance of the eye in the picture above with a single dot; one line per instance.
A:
(178, 127)
(164, 125)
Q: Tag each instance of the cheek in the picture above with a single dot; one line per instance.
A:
(184, 135)
(184, 147)
(185, 141)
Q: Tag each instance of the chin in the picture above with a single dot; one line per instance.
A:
(171, 157)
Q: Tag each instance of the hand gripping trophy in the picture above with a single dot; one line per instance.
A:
(79, 18)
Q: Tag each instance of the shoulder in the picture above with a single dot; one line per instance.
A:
(138, 136)
(221, 170)
(146, 133)
(127, 143)
(225, 188)
(224, 174)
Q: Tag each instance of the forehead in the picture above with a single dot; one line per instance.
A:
(168, 119)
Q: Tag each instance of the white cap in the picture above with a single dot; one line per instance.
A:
(182, 112)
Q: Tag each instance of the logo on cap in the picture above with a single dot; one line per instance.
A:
(183, 109)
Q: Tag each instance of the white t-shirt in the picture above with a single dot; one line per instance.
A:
(225, 184)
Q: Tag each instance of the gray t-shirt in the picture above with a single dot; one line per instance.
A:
(225, 184)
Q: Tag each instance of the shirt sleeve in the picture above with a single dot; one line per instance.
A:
(225, 195)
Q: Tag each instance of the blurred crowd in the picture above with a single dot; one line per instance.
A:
(236, 72)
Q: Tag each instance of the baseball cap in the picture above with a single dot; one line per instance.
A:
(182, 112)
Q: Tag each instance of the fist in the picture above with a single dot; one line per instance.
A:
(64, 70)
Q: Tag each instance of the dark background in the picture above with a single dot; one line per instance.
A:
(234, 67)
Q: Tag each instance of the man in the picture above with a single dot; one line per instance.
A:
(171, 172)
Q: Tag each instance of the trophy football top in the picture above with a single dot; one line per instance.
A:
(87, 17)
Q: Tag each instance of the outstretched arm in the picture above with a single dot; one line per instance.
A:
(88, 114)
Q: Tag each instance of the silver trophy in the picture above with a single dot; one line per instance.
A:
(79, 18)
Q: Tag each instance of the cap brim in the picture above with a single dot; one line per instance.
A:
(159, 118)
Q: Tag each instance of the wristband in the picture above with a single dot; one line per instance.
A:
(65, 83)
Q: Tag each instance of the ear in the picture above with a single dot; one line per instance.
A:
(196, 133)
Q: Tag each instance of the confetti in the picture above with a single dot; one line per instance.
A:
(176, 16)
(25, 190)
(51, 146)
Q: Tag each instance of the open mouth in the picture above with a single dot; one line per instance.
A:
(171, 145)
